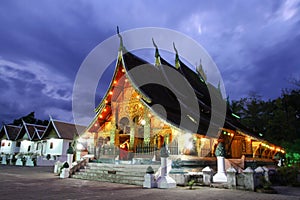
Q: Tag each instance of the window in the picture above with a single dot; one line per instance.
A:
(8, 144)
(3, 144)
(51, 145)
(29, 147)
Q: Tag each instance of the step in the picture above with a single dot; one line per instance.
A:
(100, 171)
(115, 173)
(108, 176)
(92, 169)
(121, 181)
(120, 165)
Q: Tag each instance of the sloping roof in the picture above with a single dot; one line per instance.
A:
(10, 131)
(64, 130)
(174, 104)
(173, 101)
(31, 130)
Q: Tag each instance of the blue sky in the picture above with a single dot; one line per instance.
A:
(255, 45)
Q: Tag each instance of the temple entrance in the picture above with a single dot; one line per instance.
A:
(236, 149)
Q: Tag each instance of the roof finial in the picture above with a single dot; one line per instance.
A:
(219, 86)
(177, 64)
(157, 56)
(51, 119)
(200, 72)
(121, 40)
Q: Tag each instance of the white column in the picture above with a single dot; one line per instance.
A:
(221, 175)
(164, 180)
(70, 159)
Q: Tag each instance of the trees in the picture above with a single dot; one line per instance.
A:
(277, 120)
(30, 118)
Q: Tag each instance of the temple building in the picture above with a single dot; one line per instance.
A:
(8, 136)
(138, 118)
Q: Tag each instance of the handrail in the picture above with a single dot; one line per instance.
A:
(76, 167)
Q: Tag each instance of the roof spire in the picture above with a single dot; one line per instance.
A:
(219, 87)
(51, 119)
(121, 40)
(201, 72)
(177, 64)
(157, 56)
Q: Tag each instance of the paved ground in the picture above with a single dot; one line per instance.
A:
(41, 183)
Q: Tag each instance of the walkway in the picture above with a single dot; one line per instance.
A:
(41, 183)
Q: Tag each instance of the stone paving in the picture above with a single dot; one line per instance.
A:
(41, 183)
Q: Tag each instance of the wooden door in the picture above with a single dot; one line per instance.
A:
(236, 149)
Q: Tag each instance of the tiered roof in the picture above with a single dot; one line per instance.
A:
(10, 132)
(31, 131)
(174, 104)
(63, 130)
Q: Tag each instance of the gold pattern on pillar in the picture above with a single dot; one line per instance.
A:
(146, 127)
(112, 131)
(132, 133)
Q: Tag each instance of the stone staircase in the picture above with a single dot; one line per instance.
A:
(114, 173)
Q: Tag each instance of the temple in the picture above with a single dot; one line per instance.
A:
(134, 120)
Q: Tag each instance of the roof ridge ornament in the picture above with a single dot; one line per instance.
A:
(157, 56)
(177, 63)
(219, 88)
(200, 71)
(121, 48)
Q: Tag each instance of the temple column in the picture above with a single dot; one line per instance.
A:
(249, 146)
(112, 131)
(146, 128)
(132, 133)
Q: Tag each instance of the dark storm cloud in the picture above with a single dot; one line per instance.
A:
(57, 34)
(43, 43)
(276, 67)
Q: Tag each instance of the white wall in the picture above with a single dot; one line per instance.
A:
(59, 147)
(38, 147)
(24, 146)
(66, 144)
(54, 146)
(44, 150)
(9, 147)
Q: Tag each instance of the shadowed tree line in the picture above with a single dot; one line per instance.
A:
(30, 118)
(277, 120)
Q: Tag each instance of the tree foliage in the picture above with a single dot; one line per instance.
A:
(277, 120)
(30, 118)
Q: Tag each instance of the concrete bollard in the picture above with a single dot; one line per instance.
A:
(266, 174)
(231, 177)
(3, 162)
(259, 174)
(249, 179)
(207, 175)
(149, 179)
(57, 166)
(65, 173)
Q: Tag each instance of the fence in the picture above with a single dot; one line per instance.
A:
(111, 150)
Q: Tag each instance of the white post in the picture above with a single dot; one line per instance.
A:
(221, 175)
(149, 179)
(3, 162)
(70, 159)
(164, 180)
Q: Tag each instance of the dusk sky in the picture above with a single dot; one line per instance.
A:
(255, 44)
